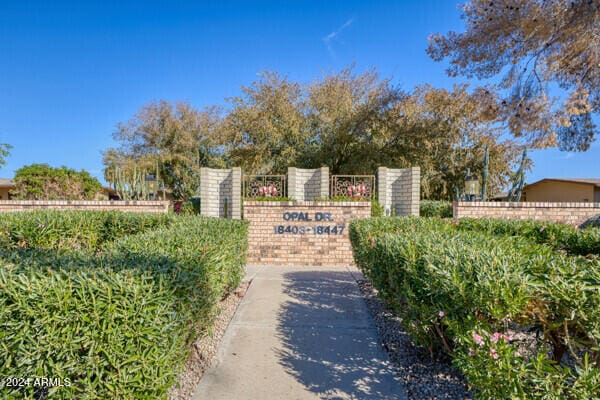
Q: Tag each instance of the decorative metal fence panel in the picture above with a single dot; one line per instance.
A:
(264, 186)
(355, 186)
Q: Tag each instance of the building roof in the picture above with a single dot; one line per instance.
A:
(6, 183)
(501, 195)
(109, 190)
(587, 181)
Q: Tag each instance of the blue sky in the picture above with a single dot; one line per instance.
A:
(70, 71)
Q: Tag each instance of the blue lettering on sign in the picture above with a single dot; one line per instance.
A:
(319, 216)
(296, 216)
(305, 229)
(315, 230)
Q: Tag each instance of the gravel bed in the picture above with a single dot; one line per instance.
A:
(424, 377)
(204, 348)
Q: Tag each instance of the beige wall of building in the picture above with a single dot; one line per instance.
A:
(4, 193)
(556, 191)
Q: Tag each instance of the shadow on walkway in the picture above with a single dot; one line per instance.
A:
(328, 341)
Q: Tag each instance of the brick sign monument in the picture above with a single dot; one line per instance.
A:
(312, 231)
(302, 233)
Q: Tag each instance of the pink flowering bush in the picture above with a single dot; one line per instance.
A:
(267, 191)
(358, 190)
(520, 319)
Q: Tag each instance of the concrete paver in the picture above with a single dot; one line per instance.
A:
(301, 333)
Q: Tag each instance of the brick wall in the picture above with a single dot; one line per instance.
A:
(308, 184)
(277, 236)
(399, 190)
(218, 186)
(568, 213)
(129, 206)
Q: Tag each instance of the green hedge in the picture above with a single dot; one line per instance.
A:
(435, 208)
(72, 230)
(117, 323)
(505, 308)
(201, 258)
(558, 236)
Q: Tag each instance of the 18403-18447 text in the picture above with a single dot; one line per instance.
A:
(305, 229)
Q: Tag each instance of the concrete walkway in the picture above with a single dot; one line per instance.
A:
(301, 333)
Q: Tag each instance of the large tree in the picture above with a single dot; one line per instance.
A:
(536, 45)
(354, 123)
(4, 152)
(346, 115)
(175, 138)
(445, 133)
(265, 129)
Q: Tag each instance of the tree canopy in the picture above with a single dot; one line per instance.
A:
(4, 152)
(535, 45)
(352, 123)
(174, 139)
(43, 182)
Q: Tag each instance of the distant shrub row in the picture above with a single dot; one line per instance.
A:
(558, 236)
(117, 323)
(521, 319)
(73, 230)
(435, 208)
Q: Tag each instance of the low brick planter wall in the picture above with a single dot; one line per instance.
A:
(91, 205)
(311, 233)
(568, 213)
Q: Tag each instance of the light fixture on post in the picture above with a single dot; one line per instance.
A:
(471, 186)
(151, 186)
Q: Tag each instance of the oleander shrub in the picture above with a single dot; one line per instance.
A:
(72, 230)
(116, 322)
(112, 335)
(435, 208)
(201, 258)
(43, 182)
(520, 319)
(376, 209)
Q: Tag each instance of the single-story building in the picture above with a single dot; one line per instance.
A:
(6, 185)
(563, 190)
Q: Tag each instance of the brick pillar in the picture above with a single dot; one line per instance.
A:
(399, 190)
(236, 193)
(218, 186)
(383, 194)
(414, 188)
(308, 184)
(292, 185)
(207, 206)
(324, 189)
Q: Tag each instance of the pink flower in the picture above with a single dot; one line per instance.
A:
(508, 338)
(478, 339)
(496, 336)
(471, 352)
(493, 354)
(442, 314)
